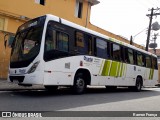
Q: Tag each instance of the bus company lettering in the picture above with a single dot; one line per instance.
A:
(88, 59)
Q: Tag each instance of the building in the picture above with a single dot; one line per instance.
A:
(13, 13)
(158, 56)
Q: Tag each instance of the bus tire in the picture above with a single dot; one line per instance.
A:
(138, 86)
(51, 88)
(79, 84)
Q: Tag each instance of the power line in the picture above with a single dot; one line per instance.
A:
(140, 32)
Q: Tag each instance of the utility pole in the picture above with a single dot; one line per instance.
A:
(150, 25)
(131, 40)
(149, 29)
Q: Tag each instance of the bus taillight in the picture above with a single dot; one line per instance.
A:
(81, 63)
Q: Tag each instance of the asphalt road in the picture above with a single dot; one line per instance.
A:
(93, 100)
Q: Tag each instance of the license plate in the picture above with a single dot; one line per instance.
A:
(15, 81)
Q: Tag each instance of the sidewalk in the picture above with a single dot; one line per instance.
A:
(6, 86)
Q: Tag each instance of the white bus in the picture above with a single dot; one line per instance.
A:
(53, 52)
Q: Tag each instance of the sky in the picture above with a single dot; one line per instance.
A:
(126, 18)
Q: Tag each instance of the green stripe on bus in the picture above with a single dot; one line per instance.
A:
(101, 67)
(119, 69)
(122, 69)
(126, 70)
(151, 74)
(106, 68)
(113, 70)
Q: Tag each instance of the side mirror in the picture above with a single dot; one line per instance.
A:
(10, 41)
(5, 43)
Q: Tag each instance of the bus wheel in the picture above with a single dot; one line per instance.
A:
(79, 84)
(51, 88)
(138, 86)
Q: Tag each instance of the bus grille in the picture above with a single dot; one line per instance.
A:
(19, 78)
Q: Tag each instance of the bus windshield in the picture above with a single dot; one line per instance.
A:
(27, 43)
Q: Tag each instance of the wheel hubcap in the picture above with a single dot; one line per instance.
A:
(80, 83)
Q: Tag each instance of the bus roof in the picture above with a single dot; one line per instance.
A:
(71, 24)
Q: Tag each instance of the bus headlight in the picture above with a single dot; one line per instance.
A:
(34, 66)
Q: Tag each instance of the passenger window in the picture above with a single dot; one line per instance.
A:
(81, 43)
(101, 47)
(122, 54)
(148, 62)
(56, 44)
(154, 63)
(130, 56)
(144, 60)
(50, 40)
(89, 44)
(116, 52)
(140, 59)
(56, 40)
(62, 41)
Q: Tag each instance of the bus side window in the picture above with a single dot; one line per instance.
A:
(62, 41)
(126, 60)
(109, 49)
(122, 54)
(81, 43)
(148, 61)
(154, 63)
(101, 48)
(50, 40)
(140, 59)
(135, 57)
(129, 56)
(144, 60)
(116, 52)
(89, 39)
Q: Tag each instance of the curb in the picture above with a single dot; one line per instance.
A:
(20, 89)
(7, 86)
